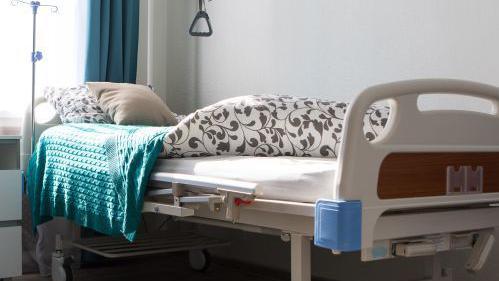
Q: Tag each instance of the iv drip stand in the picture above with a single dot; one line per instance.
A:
(36, 56)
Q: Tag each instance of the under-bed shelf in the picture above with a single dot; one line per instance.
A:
(147, 244)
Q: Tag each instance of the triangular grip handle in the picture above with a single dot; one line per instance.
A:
(200, 16)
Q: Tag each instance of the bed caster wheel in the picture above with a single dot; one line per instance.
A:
(199, 260)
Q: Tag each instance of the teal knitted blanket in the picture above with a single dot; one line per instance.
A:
(94, 175)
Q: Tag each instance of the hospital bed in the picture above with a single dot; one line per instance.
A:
(429, 183)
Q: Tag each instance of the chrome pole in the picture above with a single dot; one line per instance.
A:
(35, 56)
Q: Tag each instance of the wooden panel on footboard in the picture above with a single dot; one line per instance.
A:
(408, 175)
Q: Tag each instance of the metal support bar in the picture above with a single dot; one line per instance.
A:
(147, 244)
(438, 272)
(232, 211)
(215, 202)
(177, 189)
(237, 226)
(159, 192)
(202, 199)
(166, 209)
(300, 258)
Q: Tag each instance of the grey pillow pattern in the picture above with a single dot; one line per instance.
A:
(76, 105)
(268, 126)
(179, 117)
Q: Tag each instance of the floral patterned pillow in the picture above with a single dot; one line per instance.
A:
(268, 126)
(76, 105)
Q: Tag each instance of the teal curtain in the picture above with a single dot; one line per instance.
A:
(113, 31)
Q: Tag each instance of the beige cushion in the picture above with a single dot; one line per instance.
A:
(131, 104)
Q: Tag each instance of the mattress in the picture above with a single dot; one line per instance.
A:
(297, 179)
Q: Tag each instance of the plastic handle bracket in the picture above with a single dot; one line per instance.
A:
(481, 251)
(36, 56)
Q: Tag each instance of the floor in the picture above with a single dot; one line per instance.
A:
(170, 267)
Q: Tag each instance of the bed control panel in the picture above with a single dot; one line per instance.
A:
(464, 180)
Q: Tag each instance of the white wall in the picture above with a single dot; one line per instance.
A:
(321, 48)
(142, 51)
(168, 62)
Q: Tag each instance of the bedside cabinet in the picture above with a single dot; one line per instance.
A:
(10, 207)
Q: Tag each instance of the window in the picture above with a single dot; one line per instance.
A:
(61, 39)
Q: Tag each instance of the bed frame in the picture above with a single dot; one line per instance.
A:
(429, 183)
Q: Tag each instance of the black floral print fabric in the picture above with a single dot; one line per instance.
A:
(270, 125)
(76, 105)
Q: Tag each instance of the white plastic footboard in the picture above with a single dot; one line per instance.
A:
(411, 130)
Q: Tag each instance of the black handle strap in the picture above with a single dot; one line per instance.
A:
(201, 15)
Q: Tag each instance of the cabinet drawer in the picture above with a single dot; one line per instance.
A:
(10, 195)
(10, 252)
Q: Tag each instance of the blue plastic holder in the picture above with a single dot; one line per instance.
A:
(34, 6)
(36, 56)
(338, 225)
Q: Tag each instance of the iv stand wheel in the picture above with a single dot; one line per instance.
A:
(61, 269)
(199, 260)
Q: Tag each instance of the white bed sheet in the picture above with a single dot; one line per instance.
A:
(280, 178)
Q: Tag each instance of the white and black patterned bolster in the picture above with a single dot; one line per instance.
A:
(268, 125)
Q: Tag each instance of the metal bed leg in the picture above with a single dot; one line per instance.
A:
(300, 258)
(439, 273)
